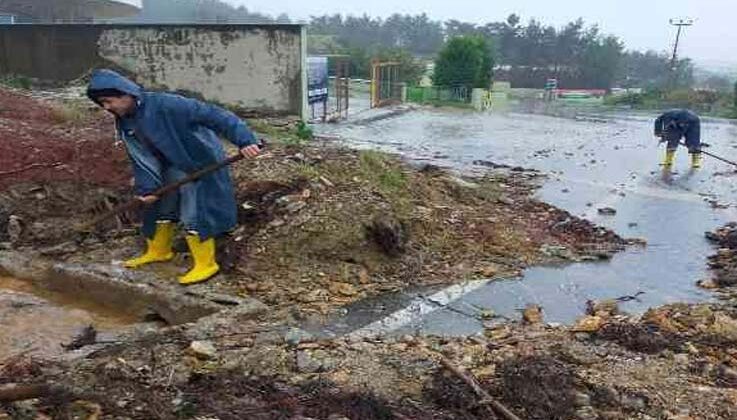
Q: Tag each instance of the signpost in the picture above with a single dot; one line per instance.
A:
(551, 85)
(317, 84)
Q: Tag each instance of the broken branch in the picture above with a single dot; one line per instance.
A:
(486, 397)
(29, 167)
(20, 392)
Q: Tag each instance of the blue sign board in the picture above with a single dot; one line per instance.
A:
(317, 79)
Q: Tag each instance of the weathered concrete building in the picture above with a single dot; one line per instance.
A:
(257, 67)
(27, 11)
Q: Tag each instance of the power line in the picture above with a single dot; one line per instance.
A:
(680, 23)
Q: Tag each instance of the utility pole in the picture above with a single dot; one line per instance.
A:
(680, 23)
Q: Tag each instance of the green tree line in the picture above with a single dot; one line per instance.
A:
(579, 56)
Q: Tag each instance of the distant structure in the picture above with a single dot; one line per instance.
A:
(57, 11)
(680, 24)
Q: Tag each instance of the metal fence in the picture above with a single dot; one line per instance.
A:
(386, 85)
(457, 94)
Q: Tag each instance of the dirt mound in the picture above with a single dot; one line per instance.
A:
(541, 385)
(47, 214)
(50, 142)
(453, 396)
(362, 223)
(638, 337)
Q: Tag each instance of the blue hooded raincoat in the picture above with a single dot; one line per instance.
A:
(181, 134)
(677, 124)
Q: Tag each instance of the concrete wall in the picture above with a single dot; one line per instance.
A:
(257, 67)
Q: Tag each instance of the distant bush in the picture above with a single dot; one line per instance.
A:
(17, 81)
(465, 61)
(699, 100)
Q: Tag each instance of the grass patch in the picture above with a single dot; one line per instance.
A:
(387, 177)
(69, 113)
(449, 104)
(707, 103)
(287, 135)
(17, 81)
(263, 127)
(303, 132)
(308, 171)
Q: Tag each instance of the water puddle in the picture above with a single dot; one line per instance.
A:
(609, 162)
(38, 322)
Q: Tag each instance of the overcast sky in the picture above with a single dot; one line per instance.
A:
(642, 24)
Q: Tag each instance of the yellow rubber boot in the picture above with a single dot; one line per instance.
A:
(670, 157)
(203, 254)
(159, 248)
(695, 160)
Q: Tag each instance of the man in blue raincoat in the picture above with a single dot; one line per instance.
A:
(677, 124)
(167, 137)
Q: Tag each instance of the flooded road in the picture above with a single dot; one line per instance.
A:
(592, 162)
(38, 322)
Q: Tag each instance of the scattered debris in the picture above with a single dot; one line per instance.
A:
(314, 361)
(638, 337)
(607, 307)
(14, 228)
(389, 234)
(589, 324)
(708, 284)
(724, 263)
(202, 349)
(487, 399)
(296, 336)
(86, 337)
(533, 314)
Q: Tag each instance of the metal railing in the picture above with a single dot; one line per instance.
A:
(455, 94)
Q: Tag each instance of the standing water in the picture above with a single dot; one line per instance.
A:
(609, 161)
(38, 322)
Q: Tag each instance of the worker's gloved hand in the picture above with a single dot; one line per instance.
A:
(147, 199)
(251, 151)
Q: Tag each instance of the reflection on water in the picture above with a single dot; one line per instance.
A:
(611, 161)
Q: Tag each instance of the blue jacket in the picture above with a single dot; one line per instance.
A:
(678, 123)
(182, 132)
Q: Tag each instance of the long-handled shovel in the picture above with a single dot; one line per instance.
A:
(167, 189)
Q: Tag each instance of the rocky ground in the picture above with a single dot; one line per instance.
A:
(320, 227)
(675, 362)
(724, 263)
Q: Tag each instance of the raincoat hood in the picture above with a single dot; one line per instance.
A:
(107, 79)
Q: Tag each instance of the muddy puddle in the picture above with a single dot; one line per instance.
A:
(38, 322)
(591, 163)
